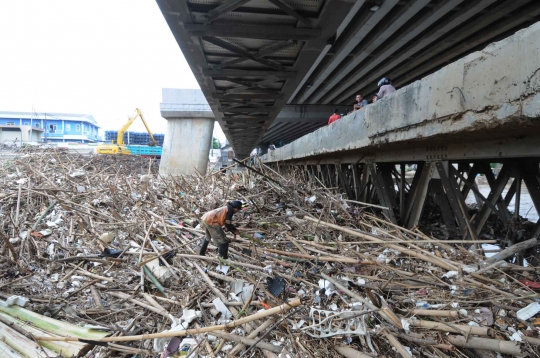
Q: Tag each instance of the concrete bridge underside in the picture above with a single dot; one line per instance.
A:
(454, 123)
(253, 58)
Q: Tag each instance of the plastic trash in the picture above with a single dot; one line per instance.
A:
(110, 253)
(323, 324)
(46, 232)
(222, 268)
(327, 286)
(178, 325)
(186, 346)
(173, 346)
(275, 285)
(107, 237)
(529, 311)
(17, 300)
(225, 313)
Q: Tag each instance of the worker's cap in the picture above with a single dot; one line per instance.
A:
(238, 204)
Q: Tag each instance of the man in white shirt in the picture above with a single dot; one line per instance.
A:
(385, 88)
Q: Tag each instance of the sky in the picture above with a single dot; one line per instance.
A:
(98, 57)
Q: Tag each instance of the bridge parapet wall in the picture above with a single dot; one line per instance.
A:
(490, 94)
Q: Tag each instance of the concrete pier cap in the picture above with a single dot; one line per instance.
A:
(190, 125)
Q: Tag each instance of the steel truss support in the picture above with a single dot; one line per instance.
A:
(453, 194)
(345, 184)
(447, 183)
(417, 194)
(441, 200)
(384, 187)
(531, 176)
(493, 197)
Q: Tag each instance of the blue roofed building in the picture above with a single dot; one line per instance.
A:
(57, 127)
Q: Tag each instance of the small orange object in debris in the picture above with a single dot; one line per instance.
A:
(36, 234)
(265, 305)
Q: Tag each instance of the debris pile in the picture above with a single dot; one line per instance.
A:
(101, 252)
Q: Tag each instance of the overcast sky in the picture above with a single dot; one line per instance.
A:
(99, 57)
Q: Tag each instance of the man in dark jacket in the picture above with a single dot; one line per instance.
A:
(213, 223)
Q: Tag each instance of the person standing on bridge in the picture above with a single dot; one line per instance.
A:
(334, 117)
(385, 88)
(360, 102)
(213, 222)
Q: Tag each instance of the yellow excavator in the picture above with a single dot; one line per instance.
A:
(119, 147)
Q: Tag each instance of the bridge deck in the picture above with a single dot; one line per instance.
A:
(252, 58)
(486, 105)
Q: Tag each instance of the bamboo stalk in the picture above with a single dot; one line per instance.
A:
(396, 344)
(272, 311)
(10, 247)
(386, 312)
(125, 296)
(494, 345)
(423, 242)
(236, 263)
(454, 328)
(433, 259)
(18, 206)
(531, 340)
(512, 250)
(89, 274)
(153, 258)
(311, 257)
(254, 334)
(248, 341)
(366, 204)
(314, 244)
(434, 313)
(348, 352)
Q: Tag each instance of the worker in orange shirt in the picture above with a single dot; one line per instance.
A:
(334, 117)
(213, 223)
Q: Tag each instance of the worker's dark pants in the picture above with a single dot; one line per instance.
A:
(216, 233)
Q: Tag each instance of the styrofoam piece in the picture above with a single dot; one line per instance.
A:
(242, 290)
(222, 268)
(327, 285)
(225, 313)
(17, 300)
(529, 311)
(350, 322)
(162, 273)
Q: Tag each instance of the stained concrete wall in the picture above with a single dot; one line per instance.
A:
(188, 138)
(494, 89)
(186, 146)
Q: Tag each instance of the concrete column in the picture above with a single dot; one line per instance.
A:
(186, 146)
(190, 125)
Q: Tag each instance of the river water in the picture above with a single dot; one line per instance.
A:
(526, 206)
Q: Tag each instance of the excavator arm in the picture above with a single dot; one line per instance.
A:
(125, 127)
(153, 142)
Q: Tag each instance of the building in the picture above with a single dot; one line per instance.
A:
(56, 127)
(10, 134)
(214, 155)
(226, 156)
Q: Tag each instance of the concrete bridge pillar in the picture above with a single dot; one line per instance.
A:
(190, 125)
